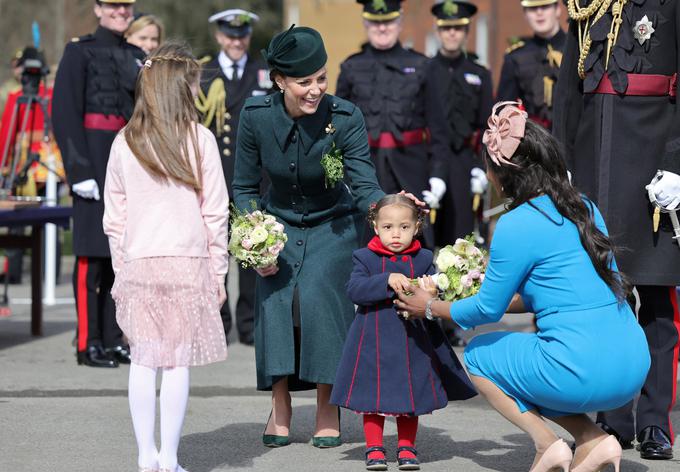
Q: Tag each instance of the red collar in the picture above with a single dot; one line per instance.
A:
(377, 246)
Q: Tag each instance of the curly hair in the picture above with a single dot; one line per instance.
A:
(419, 214)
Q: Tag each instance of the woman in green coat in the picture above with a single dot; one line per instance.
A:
(314, 148)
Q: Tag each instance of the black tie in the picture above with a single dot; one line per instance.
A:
(234, 73)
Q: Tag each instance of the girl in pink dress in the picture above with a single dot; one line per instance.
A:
(166, 209)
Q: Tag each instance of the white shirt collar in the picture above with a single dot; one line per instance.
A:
(226, 64)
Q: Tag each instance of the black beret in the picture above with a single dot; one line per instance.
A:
(381, 10)
(453, 13)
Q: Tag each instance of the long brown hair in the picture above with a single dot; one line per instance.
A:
(165, 115)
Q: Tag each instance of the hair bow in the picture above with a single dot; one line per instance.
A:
(506, 130)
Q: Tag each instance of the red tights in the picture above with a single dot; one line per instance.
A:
(407, 428)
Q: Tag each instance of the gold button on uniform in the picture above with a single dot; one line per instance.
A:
(228, 116)
(226, 140)
(227, 128)
(226, 152)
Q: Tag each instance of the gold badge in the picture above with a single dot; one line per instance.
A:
(330, 129)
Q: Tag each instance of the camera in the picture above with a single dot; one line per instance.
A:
(35, 70)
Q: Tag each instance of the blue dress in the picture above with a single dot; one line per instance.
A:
(389, 365)
(574, 362)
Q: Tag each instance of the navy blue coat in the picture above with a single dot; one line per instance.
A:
(390, 365)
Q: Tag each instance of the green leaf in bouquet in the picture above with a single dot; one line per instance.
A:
(333, 166)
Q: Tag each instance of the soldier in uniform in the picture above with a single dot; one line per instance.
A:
(93, 98)
(402, 108)
(468, 99)
(618, 116)
(531, 65)
(226, 82)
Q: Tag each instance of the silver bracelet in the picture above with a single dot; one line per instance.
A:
(428, 309)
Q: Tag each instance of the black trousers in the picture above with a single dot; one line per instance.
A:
(660, 320)
(245, 306)
(92, 282)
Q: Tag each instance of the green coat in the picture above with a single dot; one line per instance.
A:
(323, 225)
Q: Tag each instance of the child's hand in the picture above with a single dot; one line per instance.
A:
(221, 294)
(426, 282)
(399, 283)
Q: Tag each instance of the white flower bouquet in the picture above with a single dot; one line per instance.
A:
(256, 238)
(461, 269)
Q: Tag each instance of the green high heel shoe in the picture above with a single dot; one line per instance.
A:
(327, 442)
(273, 440)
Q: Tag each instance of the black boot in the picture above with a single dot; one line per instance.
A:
(95, 356)
(119, 353)
(654, 444)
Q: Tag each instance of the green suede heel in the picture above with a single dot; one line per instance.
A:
(326, 442)
(272, 440)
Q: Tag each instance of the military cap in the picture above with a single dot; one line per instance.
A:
(235, 23)
(381, 10)
(297, 52)
(116, 1)
(537, 3)
(453, 13)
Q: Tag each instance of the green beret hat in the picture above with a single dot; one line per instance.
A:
(297, 52)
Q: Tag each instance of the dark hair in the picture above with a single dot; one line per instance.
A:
(541, 170)
(396, 199)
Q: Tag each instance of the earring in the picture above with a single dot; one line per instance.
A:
(281, 90)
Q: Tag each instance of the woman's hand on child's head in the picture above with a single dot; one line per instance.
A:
(399, 283)
(419, 203)
(268, 270)
(426, 282)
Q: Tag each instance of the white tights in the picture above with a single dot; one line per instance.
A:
(142, 398)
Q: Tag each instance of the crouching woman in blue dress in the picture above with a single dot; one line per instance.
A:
(551, 248)
(391, 366)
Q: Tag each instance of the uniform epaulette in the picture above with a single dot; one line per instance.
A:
(338, 105)
(519, 44)
(205, 59)
(80, 39)
(258, 102)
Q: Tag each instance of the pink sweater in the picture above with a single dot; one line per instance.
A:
(146, 217)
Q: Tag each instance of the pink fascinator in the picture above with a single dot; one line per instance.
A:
(506, 130)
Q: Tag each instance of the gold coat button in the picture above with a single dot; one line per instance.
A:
(226, 140)
(227, 128)
(226, 152)
(228, 116)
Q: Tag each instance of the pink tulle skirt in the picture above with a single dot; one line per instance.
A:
(168, 308)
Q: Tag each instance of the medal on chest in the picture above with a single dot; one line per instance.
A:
(263, 80)
(643, 30)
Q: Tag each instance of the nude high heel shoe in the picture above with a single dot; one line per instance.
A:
(608, 451)
(557, 456)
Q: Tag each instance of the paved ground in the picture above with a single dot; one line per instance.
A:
(56, 416)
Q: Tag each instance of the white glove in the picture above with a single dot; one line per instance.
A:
(436, 192)
(478, 181)
(87, 189)
(667, 191)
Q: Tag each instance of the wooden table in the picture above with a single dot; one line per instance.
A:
(36, 218)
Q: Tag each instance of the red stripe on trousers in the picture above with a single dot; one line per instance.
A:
(81, 303)
(356, 364)
(676, 352)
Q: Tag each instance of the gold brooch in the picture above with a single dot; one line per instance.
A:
(330, 129)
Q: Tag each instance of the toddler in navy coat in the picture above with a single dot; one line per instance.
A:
(392, 366)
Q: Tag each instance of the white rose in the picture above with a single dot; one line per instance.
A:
(445, 260)
(443, 281)
(461, 246)
(258, 235)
